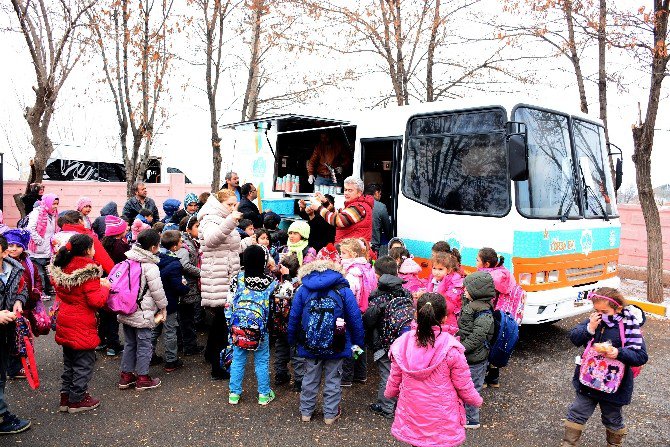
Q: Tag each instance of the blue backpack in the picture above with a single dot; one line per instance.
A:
(248, 321)
(318, 322)
(505, 338)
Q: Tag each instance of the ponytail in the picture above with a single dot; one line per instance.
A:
(501, 261)
(430, 311)
(489, 256)
(78, 245)
(456, 254)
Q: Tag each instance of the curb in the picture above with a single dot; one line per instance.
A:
(654, 308)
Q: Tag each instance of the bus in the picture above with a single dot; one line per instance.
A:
(532, 182)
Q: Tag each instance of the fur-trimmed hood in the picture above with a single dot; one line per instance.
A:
(137, 253)
(321, 275)
(76, 273)
(319, 266)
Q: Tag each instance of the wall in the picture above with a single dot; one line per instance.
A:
(99, 192)
(634, 236)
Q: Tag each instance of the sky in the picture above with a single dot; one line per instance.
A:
(85, 120)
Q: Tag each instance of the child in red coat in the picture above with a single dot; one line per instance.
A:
(81, 291)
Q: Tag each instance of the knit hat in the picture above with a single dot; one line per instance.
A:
(170, 206)
(138, 227)
(18, 236)
(301, 227)
(82, 202)
(255, 258)
(190, 198)
(115, 226)
(329, 253)
(480, 286)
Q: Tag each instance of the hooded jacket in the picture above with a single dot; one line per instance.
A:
(409, 271)
(153, 294)
(171, 275)
(389, 288)
(15, 289)
(189, 256)
(42, 244)
(101, 256)
(451, 288)
(475, 324)
(80, 294)
(170, 206)
(432, 384)
(318, 278)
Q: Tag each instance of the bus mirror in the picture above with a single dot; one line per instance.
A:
(618, 174)
(518, 157)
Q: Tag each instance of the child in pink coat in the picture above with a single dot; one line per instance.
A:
(430, 365)
(408, 269)
(446, 281)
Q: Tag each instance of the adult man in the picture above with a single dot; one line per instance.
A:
(381, 222)
(247, 206)
(133, 206)
(355, 219)
(327, 155)
(233, 183)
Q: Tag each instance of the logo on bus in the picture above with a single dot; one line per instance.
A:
(587, 242)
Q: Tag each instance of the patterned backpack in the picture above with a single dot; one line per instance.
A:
(398, 317)
(281, 308)
(512, 303)
(248, 321)
(24, 349)
(318, 322)
(36, 313)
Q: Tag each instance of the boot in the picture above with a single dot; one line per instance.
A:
(615, 437)
(573, 431)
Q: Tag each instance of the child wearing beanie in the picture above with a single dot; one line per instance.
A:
(298, 235)
(170, 206)
(138, 227)
(84, 206)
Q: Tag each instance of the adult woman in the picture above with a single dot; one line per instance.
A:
(42, 227)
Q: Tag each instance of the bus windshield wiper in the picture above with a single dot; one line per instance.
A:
(564, 214)
(588, 189)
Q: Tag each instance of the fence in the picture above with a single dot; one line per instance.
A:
(634, 236)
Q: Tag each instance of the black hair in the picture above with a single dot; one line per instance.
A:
(170, 238)
(261, 231)
(3, 243)
(290, 261)
(69, 217)
(399, 253)
(244, 223)
(372, 188)
(79, 245)
(158, 226)
(271, 221)
(246, 189)
(430, 311)
(187, 223)
(145, 212)
(148, 238)
(386, 265)
(330, 198)
(490, 257)
(441, 246)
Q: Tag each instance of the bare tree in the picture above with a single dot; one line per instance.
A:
(51, 30)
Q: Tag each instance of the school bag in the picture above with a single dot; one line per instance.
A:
(318, 322)
(398, 317)
(505, 337)
(248, 321)
(124, 293)
(281, 308)
(24, 350)
(512, 303)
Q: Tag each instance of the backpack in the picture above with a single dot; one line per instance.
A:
(512, 303)
(124, 293)
(36, 313)
(505, 337)
(24, 350)
(248, 321)
(281, 308)
(318, 322)
(398, 317)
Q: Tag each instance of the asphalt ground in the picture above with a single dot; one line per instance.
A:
(189, 409)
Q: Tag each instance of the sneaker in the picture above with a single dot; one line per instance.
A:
(282, 379)
(11, 424)
(345, 384)
(307, 418)
(21, 374)
(491, 385)
(264, 399)
(331, 421)
(101, 347)
(233, 399)
(87, 403)
(172, 366)
(127, 380)
(64, 403)
(472, 425)
(377, 408)
(114, 351)
(147, 383)
(156, 360)
(297, 386)
(197, 350)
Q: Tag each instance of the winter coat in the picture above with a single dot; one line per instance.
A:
(151, 285)
(250, 211)
(101, 256)
(80, 294)
(118, 250)
(432, 384)
(451, 288)
(15, 288)
(321, 233)
(221, 248)
(99, 226)
(133, 207)
(318, 278)
(171, 277)
(363, 206)
(189, 256)
(42, 244)
(389, 287)
(475, 324)
(409, 272)
(362, 279)
(381, 224)
(628, 356)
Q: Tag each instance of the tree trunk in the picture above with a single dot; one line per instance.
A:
(250, 104)
(39, 117)
(430, 57)
(602, 77)
(574, 56)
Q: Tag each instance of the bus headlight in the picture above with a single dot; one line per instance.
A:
(540, 277)
(525, 278)
(553, 276)
(611, 266)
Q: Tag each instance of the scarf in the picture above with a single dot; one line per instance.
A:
(298, 248)
(46, 209)
(631, 325)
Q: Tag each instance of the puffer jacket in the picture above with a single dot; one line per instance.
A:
(154, 298)
(101, 256)
(42, 244)
(475, 324)
(432, 384)
(189, 256)
(171, 277)
(409, 272)
(15, 289)
(80, 295)
(221, 248)
(451, 288)
(362, 280)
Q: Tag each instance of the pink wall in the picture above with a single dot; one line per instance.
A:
(100, 193)
(634, 236)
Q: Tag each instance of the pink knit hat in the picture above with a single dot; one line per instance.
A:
(115, 226)
(138, 227)
(329, 253)
(82, 202)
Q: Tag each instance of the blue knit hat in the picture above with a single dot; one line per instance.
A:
(170, 206)
(18, 236)
(190, 198)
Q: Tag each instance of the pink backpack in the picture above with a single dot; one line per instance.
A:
(124, 294)
(511, 297)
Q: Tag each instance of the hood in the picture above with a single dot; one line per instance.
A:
(638, 316)
(111, 209)
(396, 240)
(389, 282)
(502, 279)
(370, 200)
(16, 265)
(170, 206)
(212, 208)
(420, 362)
(348, 263)
(319, 275)
(137, 253)
(480, 286)
(76, 273)
(409, 266)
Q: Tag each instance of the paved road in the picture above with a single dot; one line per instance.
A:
(189, 409)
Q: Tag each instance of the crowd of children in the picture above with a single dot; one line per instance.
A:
(430, 337)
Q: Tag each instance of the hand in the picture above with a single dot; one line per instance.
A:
(301, 204)
(7, 316)
(310, 179)
(320, 197)
(236, 215)
(104, 282)
(254, 240)
(612, 353)
(338, 169)
(283, 270)
(594, 320)
(18, 307)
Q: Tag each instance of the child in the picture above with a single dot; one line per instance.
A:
(362, 281)
(115, 245)
(611, 318)
(251, 294)
(263, 238)
(152, 308)
(110, 209)
(446, 281)
(84, 206)
(71, 221)
(190, 209)
(298, 240)
(189, 255)
(323, 278)
(171, 276)
(81, 292)
(408, 269)
(475, 329)
(396, 242)
(389, 315)
(245, 228)
(278, 238)
(13, 295)
(170, 206)
(430, 378)
(158, 227)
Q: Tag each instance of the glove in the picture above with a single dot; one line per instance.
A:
(338, 170)
(310, 179)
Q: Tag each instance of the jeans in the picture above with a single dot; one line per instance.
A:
(42, 263)
(261, 365)
(4, 360)
(583, 406)
(137, 351)
(477, 372)
(217, 340)
(108, 330)
(384, 365)
(355, 370)
(77, 372)
(324, 181)
(187, 326)
(332, 390)
(285, 353)
(170, 326)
